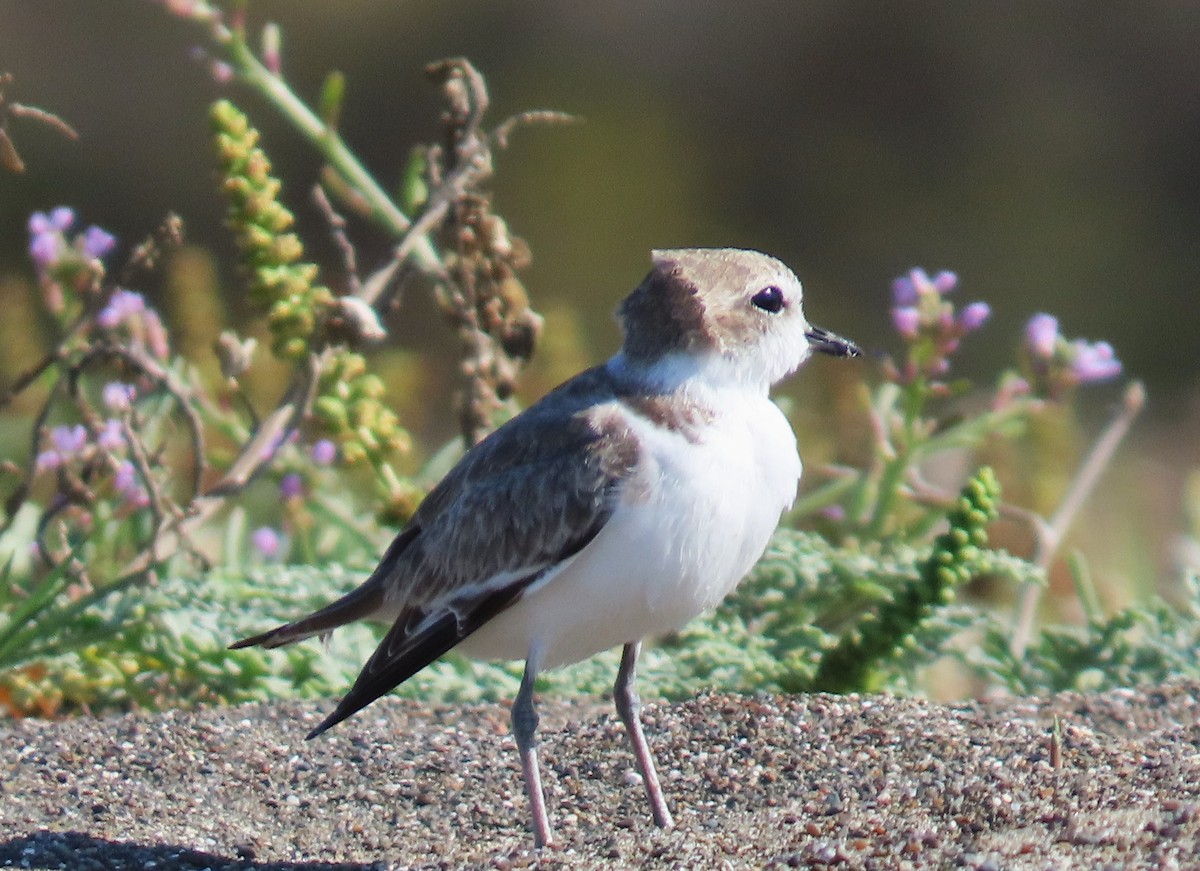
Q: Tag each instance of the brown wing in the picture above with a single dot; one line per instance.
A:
(519, 500)
(532, 494)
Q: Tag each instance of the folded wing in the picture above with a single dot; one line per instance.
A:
(527, 498)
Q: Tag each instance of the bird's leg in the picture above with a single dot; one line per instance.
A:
(524, 725)
(629, 706)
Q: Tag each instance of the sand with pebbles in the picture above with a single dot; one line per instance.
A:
(858, 782)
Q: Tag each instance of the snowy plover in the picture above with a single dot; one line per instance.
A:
(624, 503)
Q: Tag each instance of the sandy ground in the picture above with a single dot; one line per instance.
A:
(855, 782)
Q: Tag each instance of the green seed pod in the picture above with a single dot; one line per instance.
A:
(285, 249)
(293, 349)
(333, 412)
(353, 453)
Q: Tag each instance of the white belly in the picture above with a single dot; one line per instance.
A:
(685, 533)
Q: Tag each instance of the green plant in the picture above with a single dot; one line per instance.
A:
(133, 556)
(953, 560)
(113, 501)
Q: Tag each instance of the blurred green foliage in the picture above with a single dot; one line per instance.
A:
(1043, 151)
(772, 635)
(719, 156)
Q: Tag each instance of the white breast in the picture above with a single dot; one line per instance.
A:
(688, 529)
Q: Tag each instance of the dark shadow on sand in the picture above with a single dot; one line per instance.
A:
(82, 852)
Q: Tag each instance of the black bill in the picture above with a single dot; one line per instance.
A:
(831, 343)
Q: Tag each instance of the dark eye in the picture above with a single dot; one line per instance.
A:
(769, 299)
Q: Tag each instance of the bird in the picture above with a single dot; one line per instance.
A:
(627, 501)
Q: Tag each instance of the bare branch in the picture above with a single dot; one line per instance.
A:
(161, 377)
(508, 126)
(49, 118)
(145, 257)
(1081, 487)
(337, 229)
(30, 375)
(9, 155)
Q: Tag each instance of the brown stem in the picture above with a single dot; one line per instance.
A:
(337, 229)
(255, 455)
(21, 111)
(162, 377)
(1081, 487)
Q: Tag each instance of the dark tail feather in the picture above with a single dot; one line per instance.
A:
(358, 604)
(355, 605)
(400, 656)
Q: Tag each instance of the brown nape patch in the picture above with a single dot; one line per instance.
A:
(665, 314)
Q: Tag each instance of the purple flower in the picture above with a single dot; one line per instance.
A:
(47, 245)
(907, 289)
(45, 249)
(41, 224)
(118, 396)
(292, 486)
(62, 218)
(221, 72)
(1057, 365)
(907, 321)
(48, 460)
(97, 242)
(945, 281)
(128, 309)
(904, 288)
(835, 513)
(68, 440)
(973, 316)
(111, 436)
(928, 324)
(324, 452)
(125, 479)
(127, 483)
(122, 305)
(1094, 361)
(1041, 335)
(266, 541)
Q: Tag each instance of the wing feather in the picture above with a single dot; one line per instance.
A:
(519, 499)
(417, 639)
(532, 494)
(412, 643)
